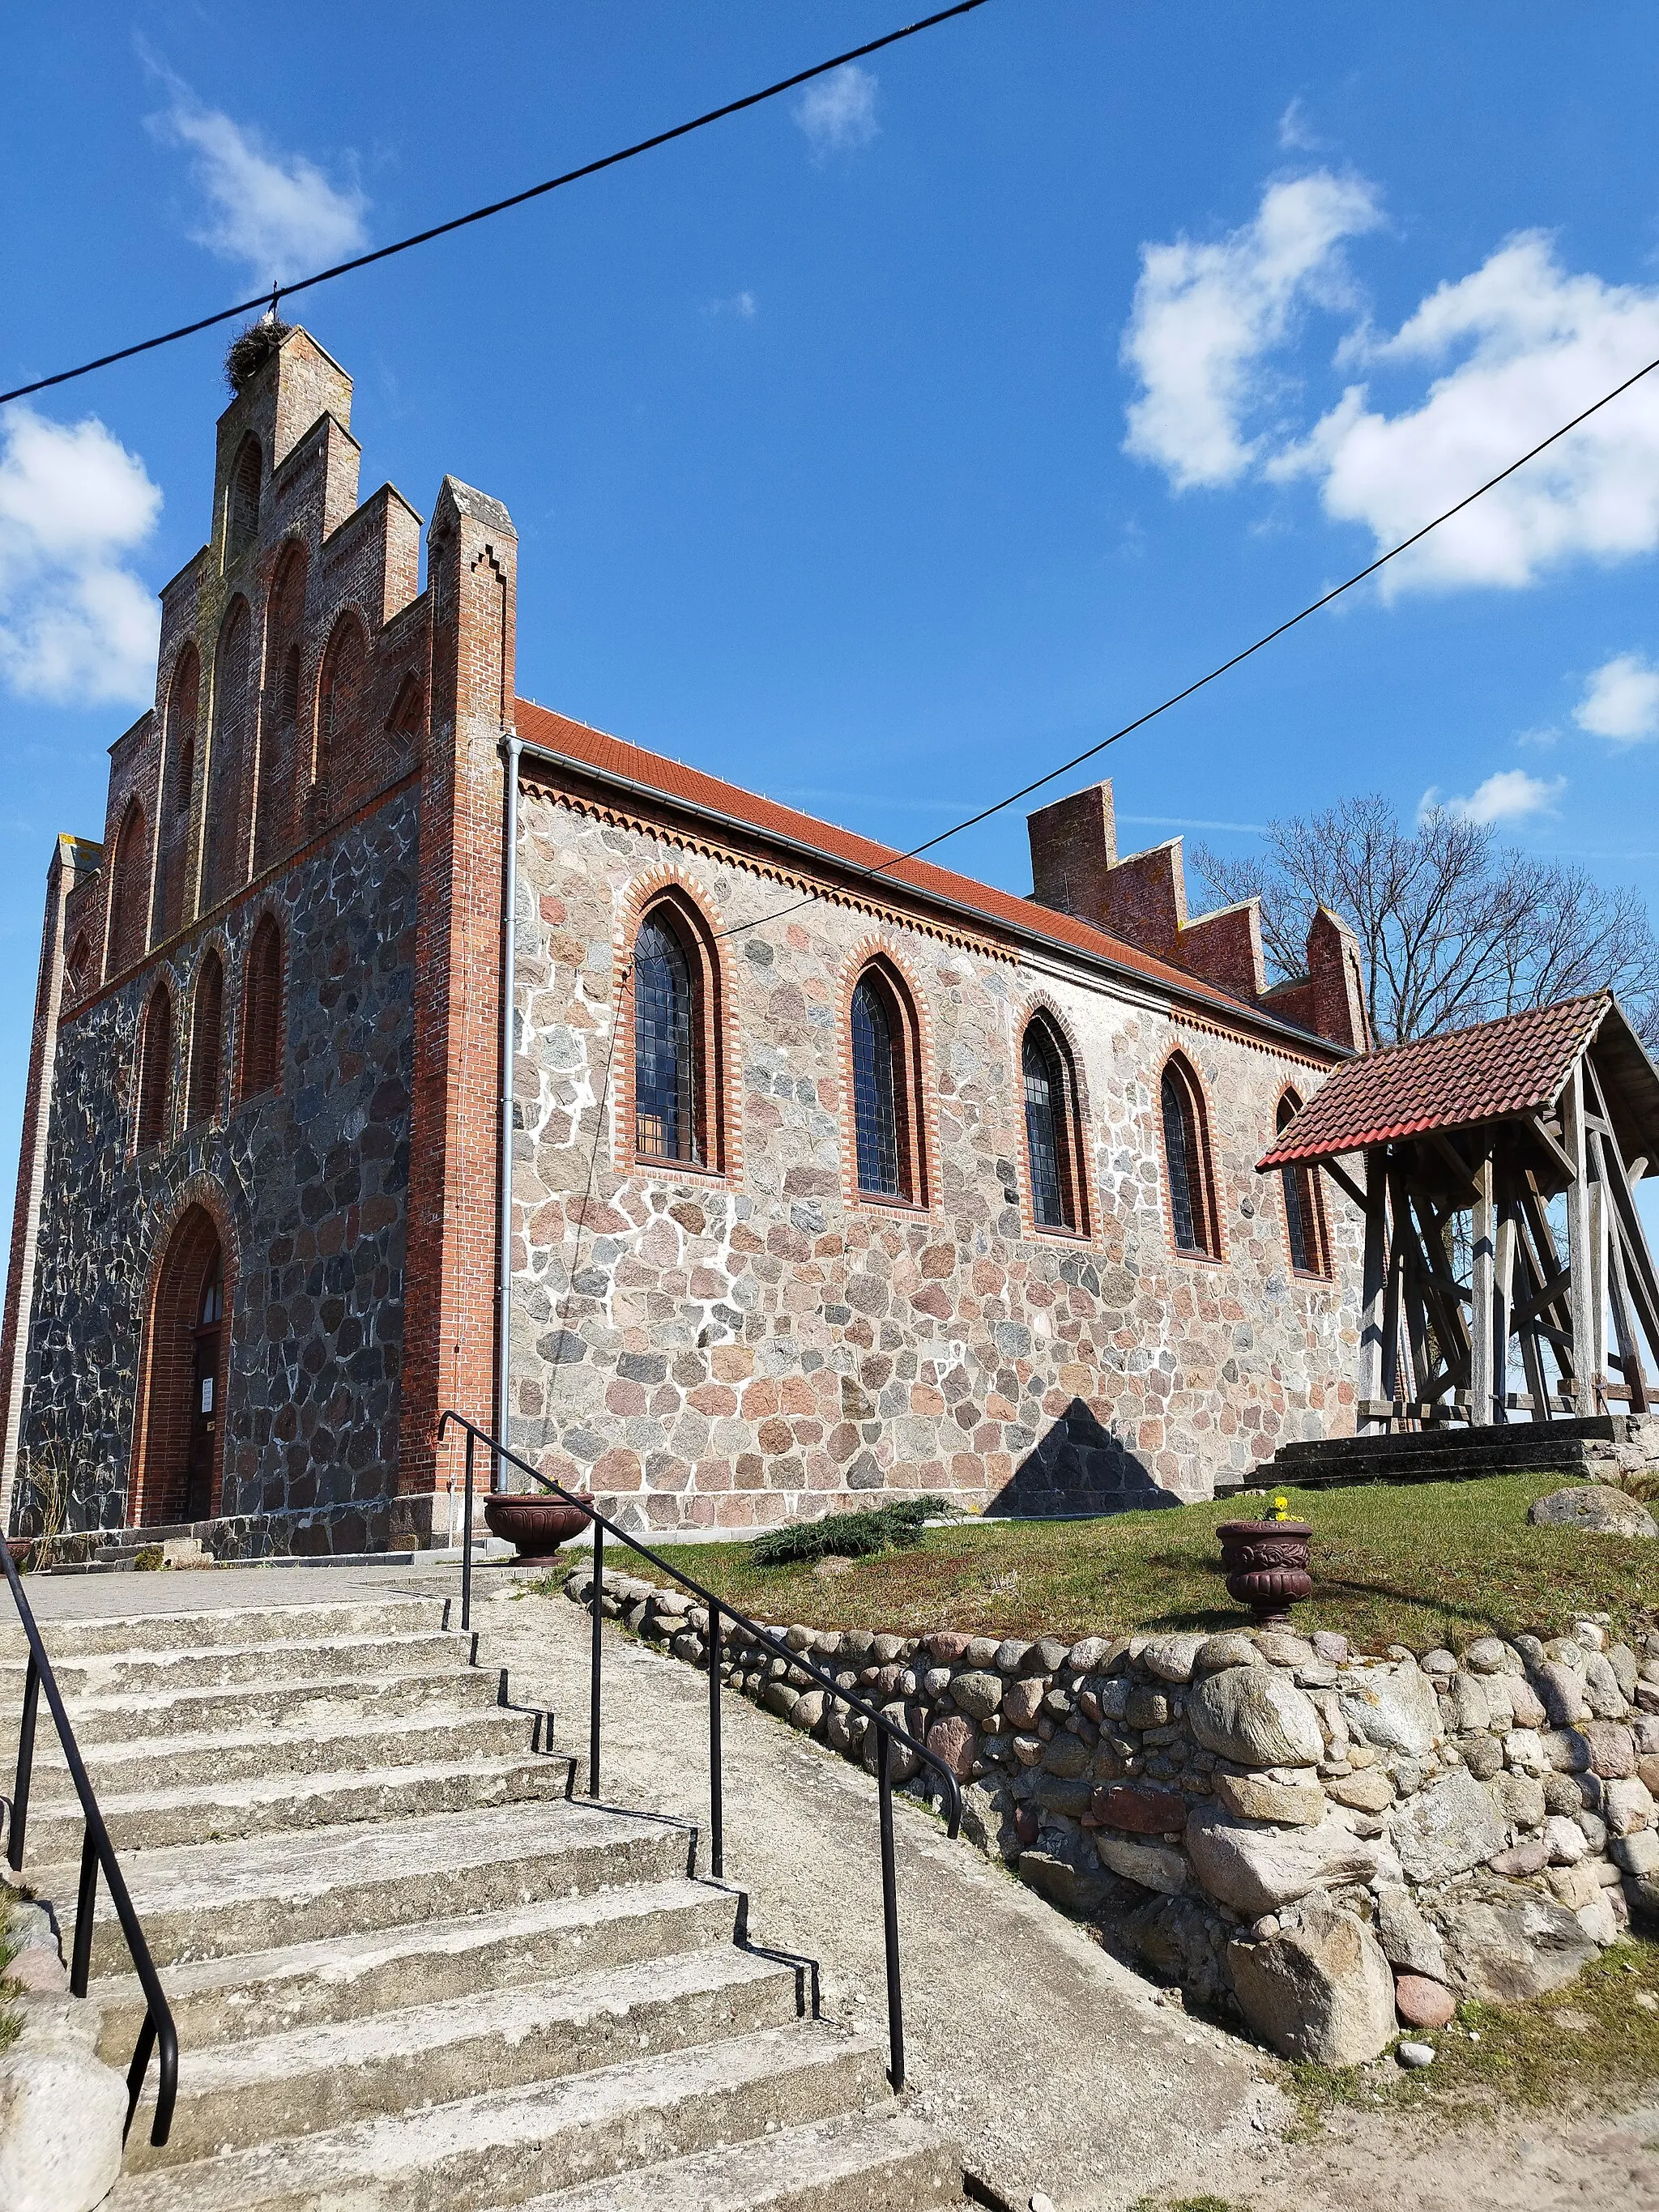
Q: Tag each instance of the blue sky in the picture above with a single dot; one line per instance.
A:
(879, 447)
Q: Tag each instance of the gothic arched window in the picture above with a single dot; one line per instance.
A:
(207, 1029)
(1054, 1134)
(224, 866)
(172, 831)
(127, 888)
(154, 1069)
(1193, 1216)
(280, 722)
(665, 1026)
(261, 1012)
(886, 1089)
(242, 501)
(339, 711)
(1305, 1230)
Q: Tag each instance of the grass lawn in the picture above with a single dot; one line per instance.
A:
(1424, 1563)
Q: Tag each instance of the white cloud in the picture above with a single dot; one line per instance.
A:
(1296, 135)
(838, 114)
(1525, 344)
(275, 213)
(744, 305)
(1510, 795)
(1206, 318)
(77, 626)
(1621, 701)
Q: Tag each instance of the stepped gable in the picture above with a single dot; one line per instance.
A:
(1517, 1065)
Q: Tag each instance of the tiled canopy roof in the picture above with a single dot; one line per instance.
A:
(1515, 1066)
(615, 758)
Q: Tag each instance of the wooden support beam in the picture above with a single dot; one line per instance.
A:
(1503, 1282)
(1454, 1159)
(1564, 1156)
(1580, 1259)
(1374, 1290)
(1345, 1182)
(1483, 1344)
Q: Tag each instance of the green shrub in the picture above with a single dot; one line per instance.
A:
(887, 1528)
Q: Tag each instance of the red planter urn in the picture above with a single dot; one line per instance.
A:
(536, 1526)
(1266, 1564)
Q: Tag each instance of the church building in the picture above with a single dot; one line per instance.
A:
(405, 1045)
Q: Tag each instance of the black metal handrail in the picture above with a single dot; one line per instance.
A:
(158, 2032)
(887, 1732)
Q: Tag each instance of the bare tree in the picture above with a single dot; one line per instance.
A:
(1455, 927)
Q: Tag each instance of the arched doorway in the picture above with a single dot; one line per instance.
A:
(181, 1460)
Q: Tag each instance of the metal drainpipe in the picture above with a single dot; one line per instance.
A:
(509, 947)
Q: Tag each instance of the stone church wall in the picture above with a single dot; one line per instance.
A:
(740, 1348)
(311, 1183)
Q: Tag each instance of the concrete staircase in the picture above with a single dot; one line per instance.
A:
(1443, 1455)
(408, 1969)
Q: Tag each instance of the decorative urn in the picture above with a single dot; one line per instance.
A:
(536, 1525)
(1266, 1564)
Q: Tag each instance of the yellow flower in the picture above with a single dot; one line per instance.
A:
(1281, 1508)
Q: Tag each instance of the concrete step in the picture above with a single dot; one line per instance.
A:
(422, 1739)
(870, 2161)
(503, 2148)
(163, 1673)
(331, 1704)
(226, 1899)
(202, 1629)
(222, 2001)
(275, 2088)
(284, 1803)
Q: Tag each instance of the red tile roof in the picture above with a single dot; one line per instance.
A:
(615, 758)
(1515, 1066)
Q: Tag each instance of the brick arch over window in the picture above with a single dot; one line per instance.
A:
(154, 1084)
(337, 747)
(1189, 1171)
(173, 830)
(281, 747)
(78, 970)
(674, 1022)
(207, 1036)
(179, 1442)
(128, 891)
(242, 500)
(1306, 1230)
(886, 1093)
(1056, 1148)
(261, 1012)
(223, 831)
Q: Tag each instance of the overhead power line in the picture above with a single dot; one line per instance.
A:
(500, 207)
(1222, 668)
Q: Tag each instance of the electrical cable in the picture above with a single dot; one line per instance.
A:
(969, 821)
(500, 207)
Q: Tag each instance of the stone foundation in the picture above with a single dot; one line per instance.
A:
(1330, 1845)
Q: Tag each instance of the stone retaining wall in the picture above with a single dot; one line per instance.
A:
(1331, 1844)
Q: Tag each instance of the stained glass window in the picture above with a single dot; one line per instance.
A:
(664, 1073)
(875, 1117)
(1188, 1205)
(1045, 1104)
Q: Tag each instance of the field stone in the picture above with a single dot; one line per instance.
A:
(1321, 1989)
(1144, 1811)
(1504, 1952)
(1065, 1754)
(1593, 1507)
(1230, 1649)
(1396, 1709)
(1609, 1749)
(1257, 1718)
(1447, 1828)
(1072, 1888)
(1421, 2003)
(1519, 1798)
(62, 2114)
(1288, 1804)
(1485, 1655)
(1523, 1859)
(1009, 1657)
(1256, 1869)
(954, 1740)
(1525, 1703)
(1021, 1703)
(1171, 1657)
(977, 1695)
(1085, 1658)
(1154, 1866)
(1370, 1791)
(1409, 1940)
(1627, 1807)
